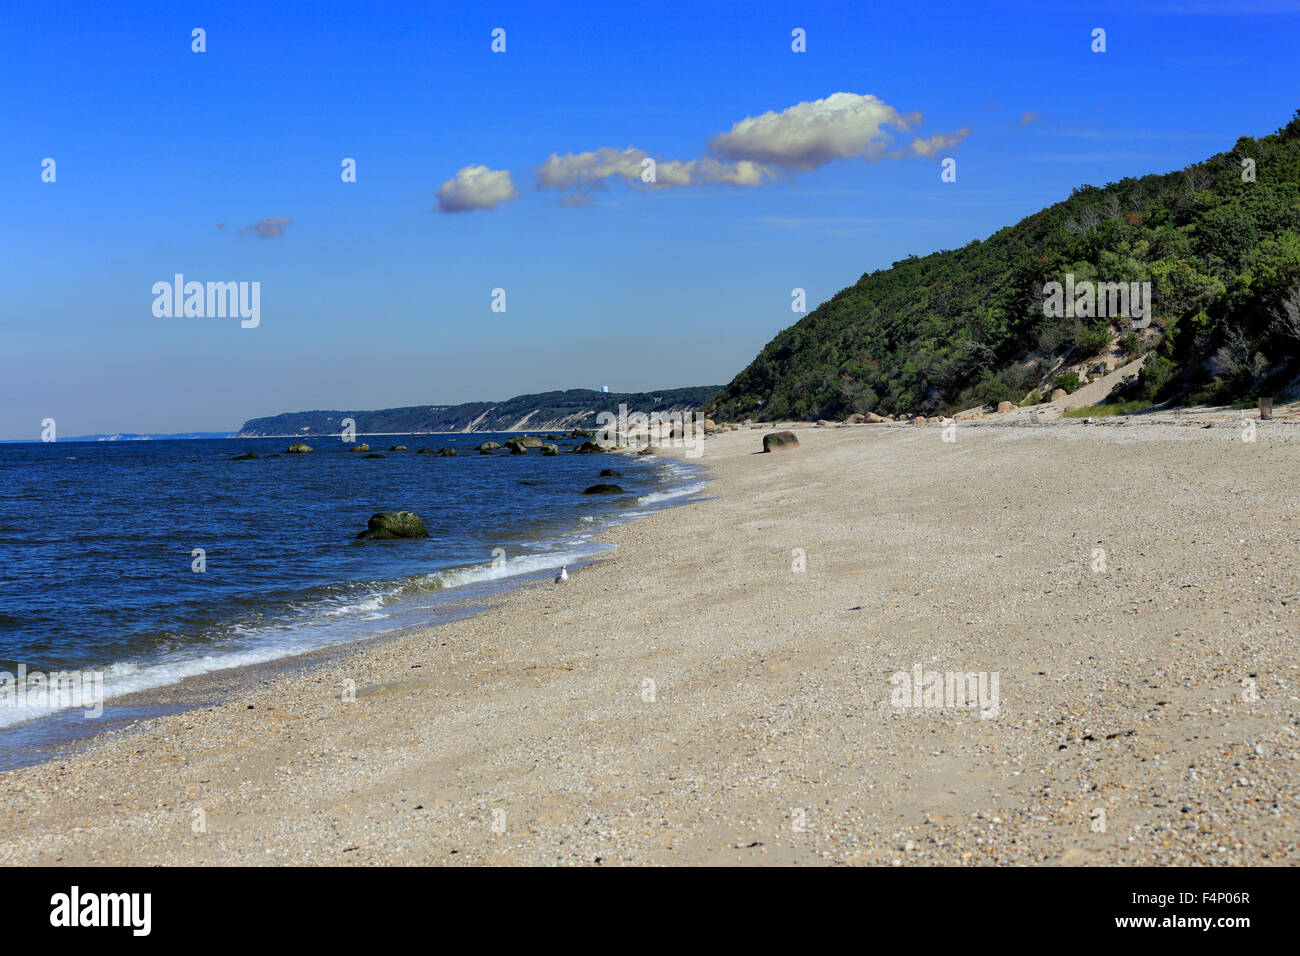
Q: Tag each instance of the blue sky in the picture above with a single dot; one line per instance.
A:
(373, 297)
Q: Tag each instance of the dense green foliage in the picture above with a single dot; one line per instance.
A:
(575, 408)
(967, 326)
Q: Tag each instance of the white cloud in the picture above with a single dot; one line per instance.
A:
(584, 172)
(939, 142)
(756, 150)
(809, 135)
(592, 168)
(476, 187)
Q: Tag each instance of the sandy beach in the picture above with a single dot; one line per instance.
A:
(701, 698)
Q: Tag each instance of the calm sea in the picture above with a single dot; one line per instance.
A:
(97, 542)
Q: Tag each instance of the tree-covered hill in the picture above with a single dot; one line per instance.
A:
(574, 408)
(1220, 247)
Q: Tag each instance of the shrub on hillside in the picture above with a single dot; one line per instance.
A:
(1068, 381)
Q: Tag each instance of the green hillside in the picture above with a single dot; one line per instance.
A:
(967, 326)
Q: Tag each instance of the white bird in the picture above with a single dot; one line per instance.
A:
(563, 575)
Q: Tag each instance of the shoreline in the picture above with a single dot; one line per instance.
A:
(64, 734)
(527, 733)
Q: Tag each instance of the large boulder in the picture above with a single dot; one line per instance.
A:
(362, 447)
(1059, 394)
(709, 426)
(855, 419)
(426, 450)
(548, 449)
(446, 453)
(528, 441)
(779, 441)
(397, 448)
(603, 489)
(299, 448)
(1004, 407)
(874, 419)
(516, 446)
(488, 446)
(609, 473)
(589, 448)
(394, 524)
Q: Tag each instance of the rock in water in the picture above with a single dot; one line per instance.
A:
(609, 473)
(374, 455)
(603, 489)
(778, 441)
(298, 448)
(446, 453)
(246, 456)
(362, 447)
(588, 448)
(549, 449)
(516, 446)
(397, 448)
(394, 524)
(425, 450)
(488, 446)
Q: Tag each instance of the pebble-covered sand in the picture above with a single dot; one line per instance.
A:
(1147, 705)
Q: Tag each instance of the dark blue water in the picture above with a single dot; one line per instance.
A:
(96, 542)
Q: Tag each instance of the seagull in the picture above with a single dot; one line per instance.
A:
(563, 575)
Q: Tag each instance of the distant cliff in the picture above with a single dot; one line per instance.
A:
(546, 411)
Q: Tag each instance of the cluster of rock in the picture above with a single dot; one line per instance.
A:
(871, 418)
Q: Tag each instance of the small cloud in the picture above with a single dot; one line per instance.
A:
(585, 172)
(809, 135)
(265, 228)
(476, 187)
(590, 170)
(940, 142)
(1029, 116)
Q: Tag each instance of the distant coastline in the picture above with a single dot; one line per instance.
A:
(536, 412)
